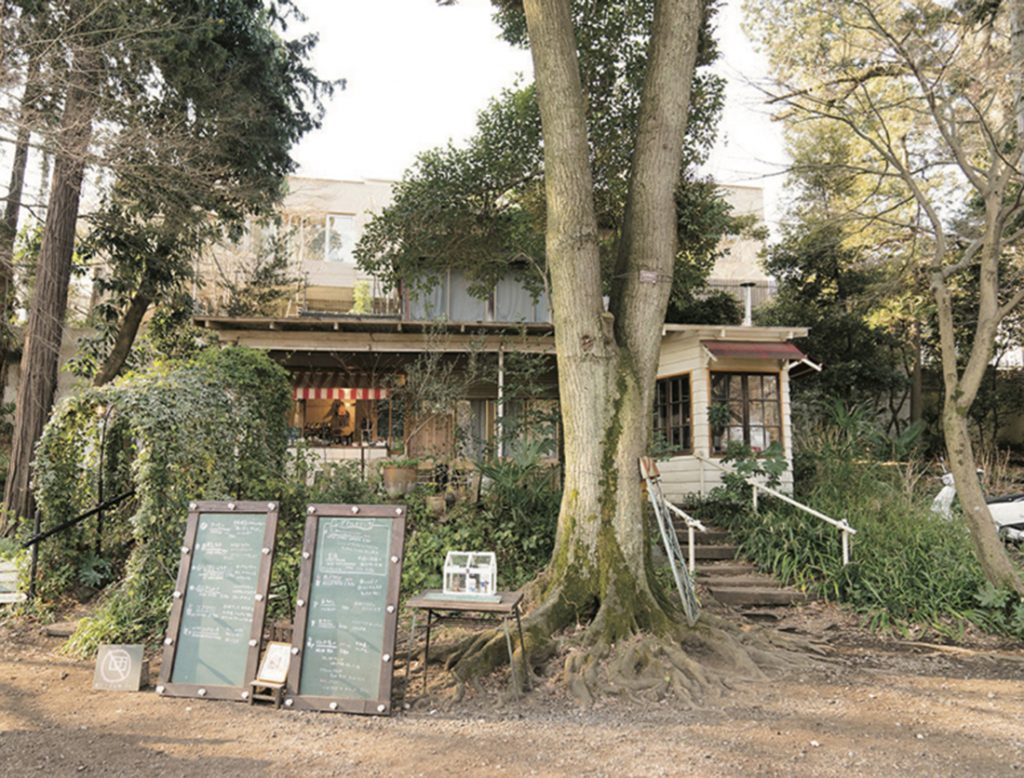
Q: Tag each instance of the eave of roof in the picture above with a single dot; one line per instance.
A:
(369, 324)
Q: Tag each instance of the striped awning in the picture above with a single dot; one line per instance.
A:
(330, 386)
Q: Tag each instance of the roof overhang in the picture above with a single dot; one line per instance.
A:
(753, 349)
(734, 332)
(377, 334)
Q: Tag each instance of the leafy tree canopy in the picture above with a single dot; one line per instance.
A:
(480, 208)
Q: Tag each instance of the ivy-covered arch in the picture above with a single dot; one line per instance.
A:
(210, 428)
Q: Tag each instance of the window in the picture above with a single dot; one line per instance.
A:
(340, 238)
(745, 408)
(672, 420)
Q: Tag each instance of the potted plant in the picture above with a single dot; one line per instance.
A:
(436, 501)
(398, 476)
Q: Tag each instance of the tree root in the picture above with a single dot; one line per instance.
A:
(689, 665)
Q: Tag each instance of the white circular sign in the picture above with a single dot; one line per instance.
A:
(116, 666)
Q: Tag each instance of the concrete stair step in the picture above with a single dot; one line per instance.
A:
(710, 551)
(711, 536)
(726, 568)
(756, 596)
(750, 581)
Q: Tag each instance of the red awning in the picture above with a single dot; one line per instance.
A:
(750, 349)
(327, 386)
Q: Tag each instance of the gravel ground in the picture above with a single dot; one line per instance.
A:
(880, 707)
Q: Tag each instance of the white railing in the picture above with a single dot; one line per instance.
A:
(692, 525)
(841, 524)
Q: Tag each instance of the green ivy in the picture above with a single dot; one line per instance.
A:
(213, 427)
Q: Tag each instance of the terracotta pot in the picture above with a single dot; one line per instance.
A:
(398, 481)
(436, 504)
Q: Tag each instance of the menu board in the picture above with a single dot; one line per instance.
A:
(219, 602)
(347, 611)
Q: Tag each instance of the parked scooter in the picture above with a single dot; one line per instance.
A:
(1007, 510)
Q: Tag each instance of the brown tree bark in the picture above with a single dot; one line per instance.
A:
(1016, 11)
(126, 335)
(600, 574)
(12, 212)
(45, 328)
(961, 388)
(600, 569)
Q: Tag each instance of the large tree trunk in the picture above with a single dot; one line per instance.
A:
(600, 574)
(606, 362)
(12, 211)
(41, 352)
(126, 335)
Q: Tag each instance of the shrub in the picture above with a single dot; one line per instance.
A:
(516, 518)
(209, 428)
(908, 567)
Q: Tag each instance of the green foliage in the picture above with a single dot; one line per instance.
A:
(909, 567)
(689, 307)
(399, 462)
(209, 428)
(259, 283)
(836, 291)
(362, 298)
(201, 103)
(766, 466)
(490, 193)
(516, 518)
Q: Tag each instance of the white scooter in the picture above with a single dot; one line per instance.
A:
(1007, 511)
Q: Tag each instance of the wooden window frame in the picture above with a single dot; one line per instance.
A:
(688, 374)
(777, 374)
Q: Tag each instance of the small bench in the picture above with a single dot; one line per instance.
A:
(9, 583)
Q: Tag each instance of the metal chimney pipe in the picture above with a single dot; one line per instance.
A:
(748, 303)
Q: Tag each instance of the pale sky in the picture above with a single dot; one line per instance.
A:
(417, 74)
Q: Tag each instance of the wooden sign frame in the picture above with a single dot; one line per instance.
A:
(381, 705)
(212, 691)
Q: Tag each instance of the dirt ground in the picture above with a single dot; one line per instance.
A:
(879, 707)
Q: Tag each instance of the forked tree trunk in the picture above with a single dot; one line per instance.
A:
(44, 332)
(607, 362)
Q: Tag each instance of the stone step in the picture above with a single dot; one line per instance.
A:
(726, 568)
(711, 536)
(710, 551)
(60, 629)
(756, 596)
(753, 580)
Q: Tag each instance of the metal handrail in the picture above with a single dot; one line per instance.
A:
(841, 524)
(692, 525)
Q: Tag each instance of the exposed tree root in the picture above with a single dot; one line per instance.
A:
(686, 664)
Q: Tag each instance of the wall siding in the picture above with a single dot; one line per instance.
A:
(682, 353)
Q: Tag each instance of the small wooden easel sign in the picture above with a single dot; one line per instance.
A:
(272, 675)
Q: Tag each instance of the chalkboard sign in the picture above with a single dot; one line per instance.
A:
(220, 598)
(347, 609)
